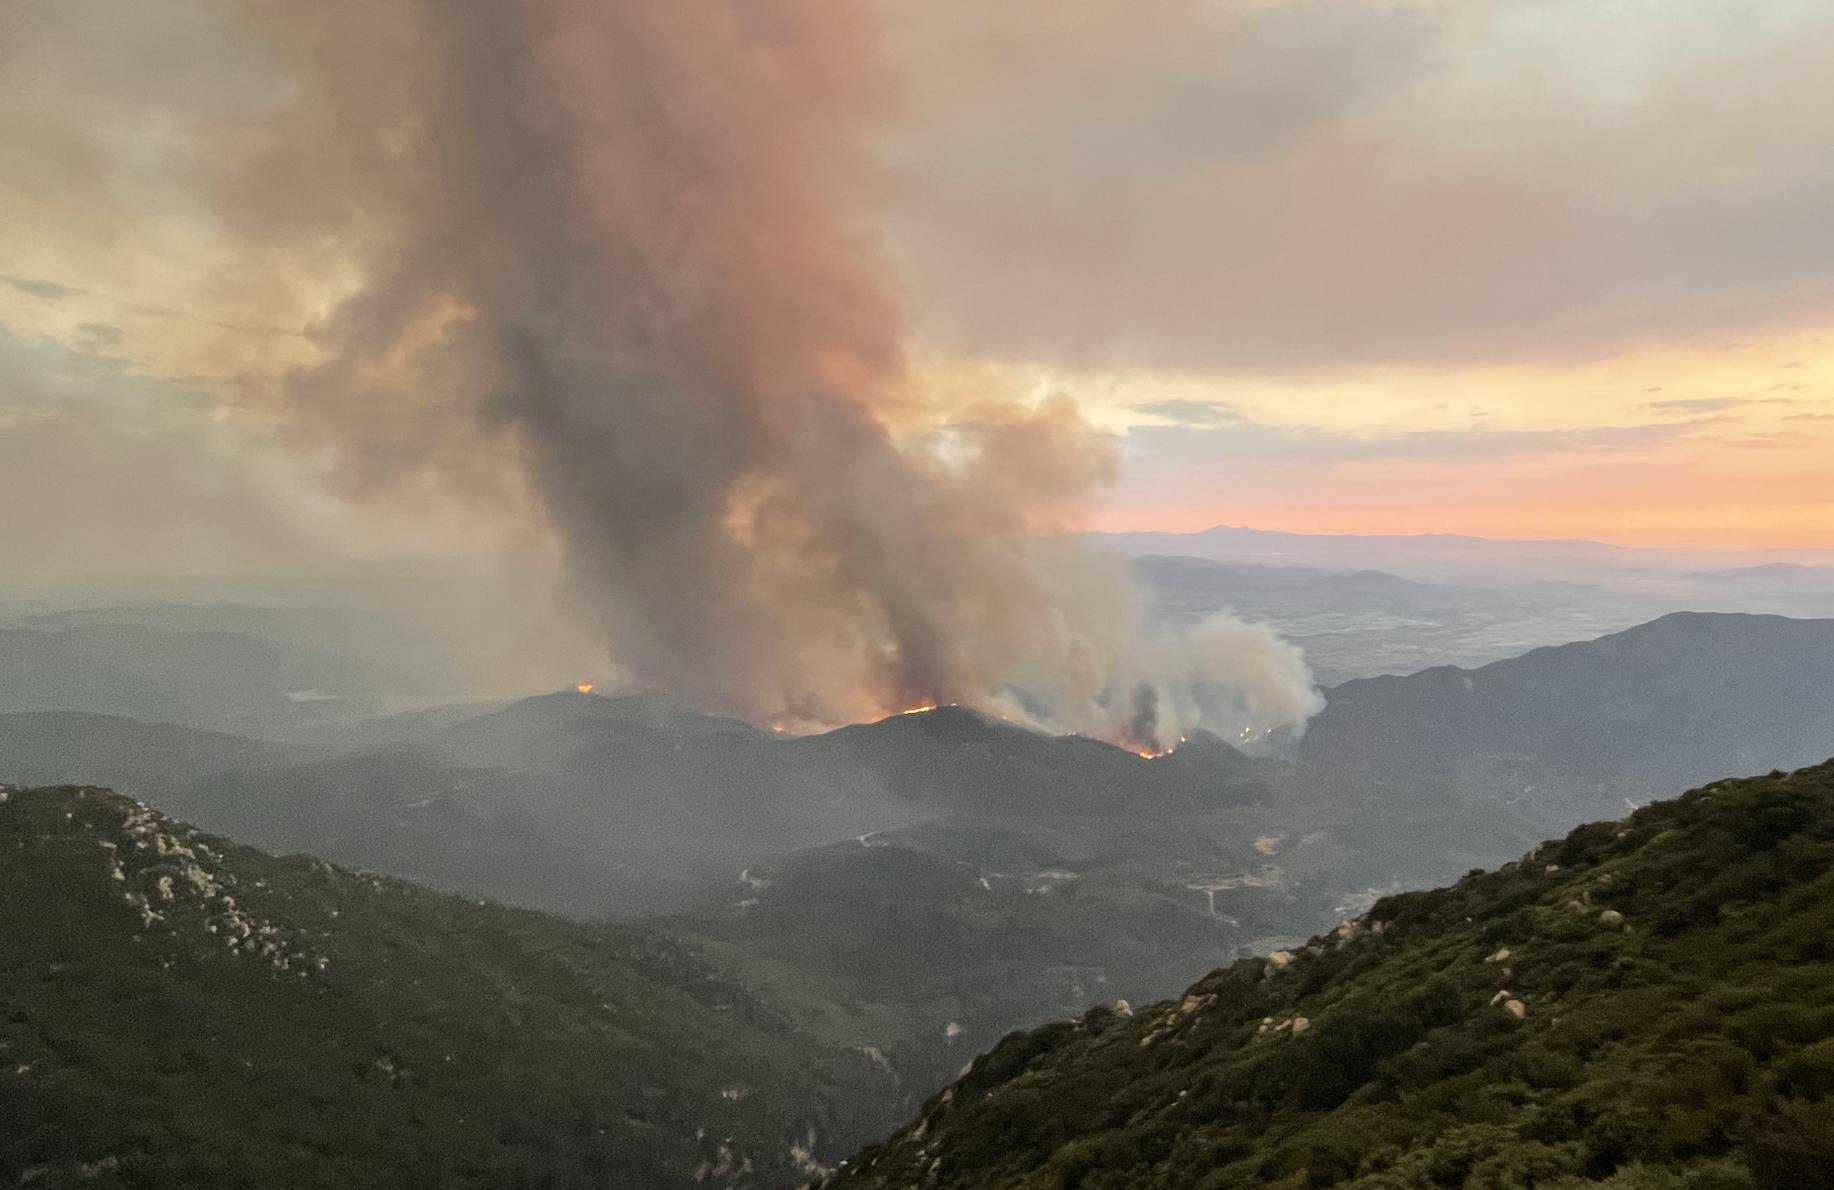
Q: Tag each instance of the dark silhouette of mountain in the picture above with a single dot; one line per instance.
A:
(1644, 1003)
(1583, 729)
(381, 731)
(534, 731)
(956, 759)
(177, 1010)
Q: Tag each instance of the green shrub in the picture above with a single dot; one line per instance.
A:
(1684, 1046)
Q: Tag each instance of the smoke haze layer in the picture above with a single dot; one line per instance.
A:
(614, 266)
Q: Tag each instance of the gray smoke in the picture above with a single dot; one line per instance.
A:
(613, 266)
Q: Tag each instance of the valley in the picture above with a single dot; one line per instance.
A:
(916, 889)
(888, 899)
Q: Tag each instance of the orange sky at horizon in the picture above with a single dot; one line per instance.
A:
(1707, 440)
(1631, 528)
(1545, 271)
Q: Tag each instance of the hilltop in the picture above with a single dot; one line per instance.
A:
(1644, 1004)
(1577, 731)
(925, 884)
(593, 806)
(176, 1010)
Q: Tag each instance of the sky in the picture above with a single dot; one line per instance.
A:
(1515, 268)
(1538, 268)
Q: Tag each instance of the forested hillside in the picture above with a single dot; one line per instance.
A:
(1590, 729)
(179, 1011)
(1644, 1004)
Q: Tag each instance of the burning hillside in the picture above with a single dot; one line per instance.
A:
(614, 266)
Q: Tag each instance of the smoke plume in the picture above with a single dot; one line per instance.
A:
(619, 259)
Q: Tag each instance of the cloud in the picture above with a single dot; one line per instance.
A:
(97, 337)
(609, 266)
(1699, 404)
(1192, 413)
(1276, 184)
(1151, 447)
(49, 290)
(107, 474)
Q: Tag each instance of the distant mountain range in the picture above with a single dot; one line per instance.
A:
(253, 670)
(1475, 599)
(207, 679)
(1361, 623)
(1450, 557)
(1598, 726)
(1644, 1004)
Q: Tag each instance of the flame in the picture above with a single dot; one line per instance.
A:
(584, 687)
(918, 710)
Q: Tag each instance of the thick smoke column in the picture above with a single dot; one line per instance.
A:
(1143, 728)
(631, 245)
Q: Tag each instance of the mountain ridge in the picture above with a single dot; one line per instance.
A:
(177, 1010)
(1578, 729)
(1645, 1004)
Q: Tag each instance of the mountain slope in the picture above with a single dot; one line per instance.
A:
(921, 885)
(931, 941)
(1575, 730)
(176, 1010)
(156, 761)
(1644, 1004)
(592, 806)
(213, 679)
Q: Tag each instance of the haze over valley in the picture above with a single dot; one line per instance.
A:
(841, 595)
(921, 885)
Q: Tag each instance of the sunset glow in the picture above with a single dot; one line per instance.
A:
(1690, 440)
